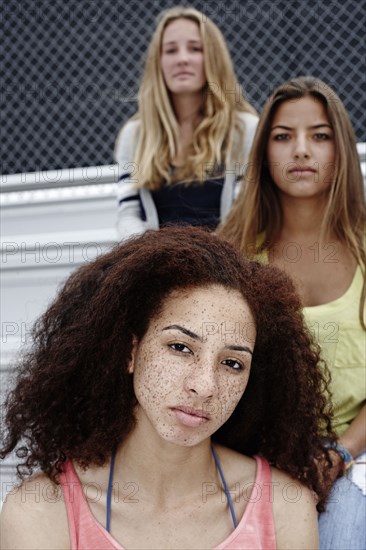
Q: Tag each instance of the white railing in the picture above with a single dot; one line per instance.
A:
(63, 177)
(361, 148)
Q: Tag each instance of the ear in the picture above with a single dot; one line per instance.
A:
(131, 363)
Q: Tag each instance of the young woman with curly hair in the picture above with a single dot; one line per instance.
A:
(179, 154)
(163, 379)
(302, 209)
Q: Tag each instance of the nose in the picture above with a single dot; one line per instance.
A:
(182, 55)
(201, 380)
(301, 147)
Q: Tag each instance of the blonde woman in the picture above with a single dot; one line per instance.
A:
(303, 209)
(193, 130)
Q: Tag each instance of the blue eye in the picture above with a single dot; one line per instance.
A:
(180, 347)
(233, 364)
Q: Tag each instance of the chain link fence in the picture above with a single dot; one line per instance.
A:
(70, 70)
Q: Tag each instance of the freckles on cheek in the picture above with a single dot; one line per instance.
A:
(229, 398)
(235, 391)
(153, 378)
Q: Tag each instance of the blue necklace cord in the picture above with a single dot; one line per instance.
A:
(110, 489)
(109, 492)
(227, 492)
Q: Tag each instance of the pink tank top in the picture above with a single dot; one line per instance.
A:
(255, 529)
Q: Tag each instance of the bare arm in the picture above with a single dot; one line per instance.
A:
(354, 438)
(295, 515)
(34, 518)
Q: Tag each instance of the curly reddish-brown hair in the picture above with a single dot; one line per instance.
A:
(74, 398)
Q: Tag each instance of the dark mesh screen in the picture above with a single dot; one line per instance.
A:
(70, 69)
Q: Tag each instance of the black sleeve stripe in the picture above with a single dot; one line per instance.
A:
(124, 176)
(129, 198)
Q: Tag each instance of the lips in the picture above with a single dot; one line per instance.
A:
(301, 169)
(192, 411)
(183, 73)
(189, 416)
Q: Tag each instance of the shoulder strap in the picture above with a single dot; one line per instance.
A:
(226, 489)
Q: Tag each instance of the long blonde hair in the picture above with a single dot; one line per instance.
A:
(222, 99)
(257, 209)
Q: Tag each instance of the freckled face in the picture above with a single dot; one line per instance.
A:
(182, 57)
(192, 366)
(301, 149)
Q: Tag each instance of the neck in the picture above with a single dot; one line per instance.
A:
(165, 471)
(302, 219)
(187, 108)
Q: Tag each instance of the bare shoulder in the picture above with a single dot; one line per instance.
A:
(34, 517)
(238, 468)
(294, 511)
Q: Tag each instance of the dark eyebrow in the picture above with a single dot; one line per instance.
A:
(185, 331)
(240, 348)
(310, 127)
(321, 126)
(282, 127)
(196, 337)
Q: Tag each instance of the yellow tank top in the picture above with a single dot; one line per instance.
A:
(337, 328)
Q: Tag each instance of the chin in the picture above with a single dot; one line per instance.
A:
(187, 439)
(178, 90)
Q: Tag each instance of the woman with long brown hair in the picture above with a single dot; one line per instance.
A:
(302, 209)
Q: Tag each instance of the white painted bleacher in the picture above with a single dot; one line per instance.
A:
(51, 223)
(361, 148)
